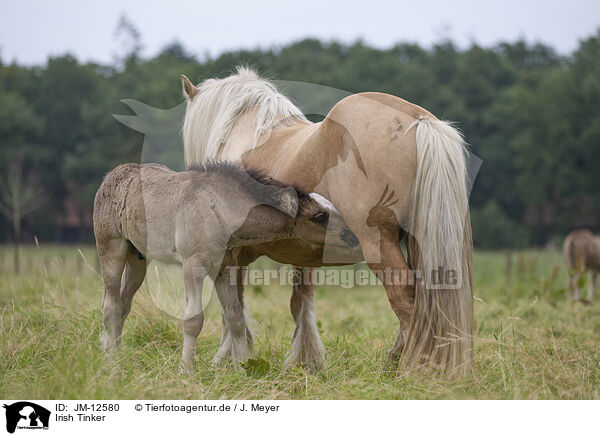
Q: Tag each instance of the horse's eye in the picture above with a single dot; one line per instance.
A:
(320, 217)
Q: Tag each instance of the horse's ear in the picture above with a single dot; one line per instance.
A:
(189, 89)
(288, 199)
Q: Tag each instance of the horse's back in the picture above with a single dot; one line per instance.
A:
(582, 250)
(368, 101)
(380, 125)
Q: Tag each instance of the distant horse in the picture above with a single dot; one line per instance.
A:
(582, 253)
(391, 168)
(199, 218)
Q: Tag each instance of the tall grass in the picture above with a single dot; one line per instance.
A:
(530, 341)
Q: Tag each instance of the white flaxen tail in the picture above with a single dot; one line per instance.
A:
(439, 246)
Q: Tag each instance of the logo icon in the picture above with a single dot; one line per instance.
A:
(26, 415)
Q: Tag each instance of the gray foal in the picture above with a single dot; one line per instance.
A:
(198, 218)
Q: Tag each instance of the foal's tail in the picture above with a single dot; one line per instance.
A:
(439, 246)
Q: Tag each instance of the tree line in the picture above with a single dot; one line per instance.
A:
(531, 115)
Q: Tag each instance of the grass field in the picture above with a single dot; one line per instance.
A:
(531, 343)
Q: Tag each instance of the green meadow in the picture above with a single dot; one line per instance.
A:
(531, 341)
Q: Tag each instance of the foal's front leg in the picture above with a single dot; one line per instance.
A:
(224, 352)
(233, 316)
(194, 272)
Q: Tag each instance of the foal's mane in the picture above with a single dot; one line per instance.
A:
(215, 109)
(236, 173)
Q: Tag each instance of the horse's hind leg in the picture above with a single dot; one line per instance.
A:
(133, 276)
(575, 284)
(194, 272)
(592, 285)
(570, 287)
(112, 254)
(400, 294)
(307, 347)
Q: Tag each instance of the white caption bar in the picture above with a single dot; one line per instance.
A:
(263, 417)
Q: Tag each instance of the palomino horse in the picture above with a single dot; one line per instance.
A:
(582, 253)
(391, 169)
(199, 218)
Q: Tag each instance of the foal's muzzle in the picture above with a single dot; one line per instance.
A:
(349, 238)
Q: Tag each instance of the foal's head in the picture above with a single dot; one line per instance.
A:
(290, 211)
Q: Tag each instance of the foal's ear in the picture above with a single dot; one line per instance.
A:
(288, 199)
(189, 90)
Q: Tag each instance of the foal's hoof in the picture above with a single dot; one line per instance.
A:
(109, 347)
(186, 368)
(220, 360)
(311, 365)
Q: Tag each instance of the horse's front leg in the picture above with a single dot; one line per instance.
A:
(194, 272)
(234, 319)
(307, 348)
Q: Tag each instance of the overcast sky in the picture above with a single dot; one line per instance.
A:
(32, 30)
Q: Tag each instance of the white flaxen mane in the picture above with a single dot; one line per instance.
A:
(219, 103)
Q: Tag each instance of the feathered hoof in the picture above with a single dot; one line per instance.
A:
(312, 365)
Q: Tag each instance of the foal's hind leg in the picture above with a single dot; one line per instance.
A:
(133, 276)
(112, 254)
(592, 285)
(307, 347)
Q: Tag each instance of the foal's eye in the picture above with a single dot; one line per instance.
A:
(320, 217)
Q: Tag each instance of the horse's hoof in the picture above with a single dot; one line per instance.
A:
(394, 356)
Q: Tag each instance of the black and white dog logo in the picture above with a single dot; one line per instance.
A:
(26, 415)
